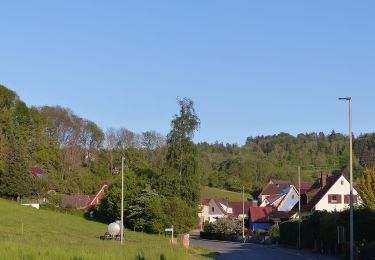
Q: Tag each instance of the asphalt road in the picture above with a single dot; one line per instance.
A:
(233, 250)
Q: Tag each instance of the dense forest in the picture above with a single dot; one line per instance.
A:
(76, 156)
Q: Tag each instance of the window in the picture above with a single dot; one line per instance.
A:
(213, 209)
(342, 182)
(334, 198)
(292, 196)
(347, 199)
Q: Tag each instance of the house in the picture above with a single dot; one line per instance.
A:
(239, 209)
(83, 201)
(203, 214)
(285, 201)
(276, 188)
(273, 189)
(218, 208)
(75, 201)
(37, 171)
(264, 217)
(330, 193)
(213, 209)
(99, 194)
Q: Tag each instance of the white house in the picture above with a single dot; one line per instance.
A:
(285, 201)
(213, 209)
(330, 193)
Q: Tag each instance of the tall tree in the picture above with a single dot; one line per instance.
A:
(367, 188)
(182, 152)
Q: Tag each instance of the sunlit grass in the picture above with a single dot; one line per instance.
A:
(208, 192)
(28, 233)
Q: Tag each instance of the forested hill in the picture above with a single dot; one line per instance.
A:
(76, 155)
(277, 156)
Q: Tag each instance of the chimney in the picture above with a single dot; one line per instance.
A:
(323, 179)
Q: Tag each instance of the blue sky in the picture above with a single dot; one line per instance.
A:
(251, 67)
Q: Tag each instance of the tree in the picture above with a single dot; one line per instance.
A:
(152, 140)
(367, 188)
(182, 152)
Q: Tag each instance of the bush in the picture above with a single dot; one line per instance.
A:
(274, 232)
(55, 199)
(224, 226)
(261, 233)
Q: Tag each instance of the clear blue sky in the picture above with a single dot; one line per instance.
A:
(252, 67)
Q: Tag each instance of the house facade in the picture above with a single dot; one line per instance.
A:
(330, 193)
(289, 199)
(213, 209)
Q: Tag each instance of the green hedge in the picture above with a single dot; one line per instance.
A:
(319, 231)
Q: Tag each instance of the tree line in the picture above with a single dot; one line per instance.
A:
(76, 156)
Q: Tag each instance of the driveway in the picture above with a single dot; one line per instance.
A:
(235, 250)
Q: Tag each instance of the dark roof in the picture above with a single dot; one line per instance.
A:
(276, 181)
(315, 194)
(274, 189)
(75, 201)
(237, 207)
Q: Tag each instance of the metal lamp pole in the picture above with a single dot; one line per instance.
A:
(351, 178)
(243, 213)
(122, 201)
(299, 207)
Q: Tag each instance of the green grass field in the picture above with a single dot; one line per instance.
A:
(208, 192)
(54, 235)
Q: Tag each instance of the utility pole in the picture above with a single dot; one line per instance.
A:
(351, 177)
(299, 207)
(122, 200)
(243, 213)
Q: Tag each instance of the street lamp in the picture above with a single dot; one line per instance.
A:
(351, 177)
(299, 207)
(122, 201)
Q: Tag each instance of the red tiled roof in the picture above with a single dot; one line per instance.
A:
(260, 214)
(273, 198)
(36, 171)
(237, 207)
(205, 202)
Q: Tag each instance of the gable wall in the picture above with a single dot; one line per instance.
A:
(289, 202)
(337, 188)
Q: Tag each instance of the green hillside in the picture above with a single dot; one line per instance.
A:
(209, 192)
(52, 235)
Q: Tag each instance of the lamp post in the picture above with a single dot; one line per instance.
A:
(349, 99)
(122, 201)
(299, 207)
(243, 214)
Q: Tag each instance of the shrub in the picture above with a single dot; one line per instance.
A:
(261, 233)
(274, 232)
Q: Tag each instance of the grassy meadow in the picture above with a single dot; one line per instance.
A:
(209, 192)
(28, 233)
